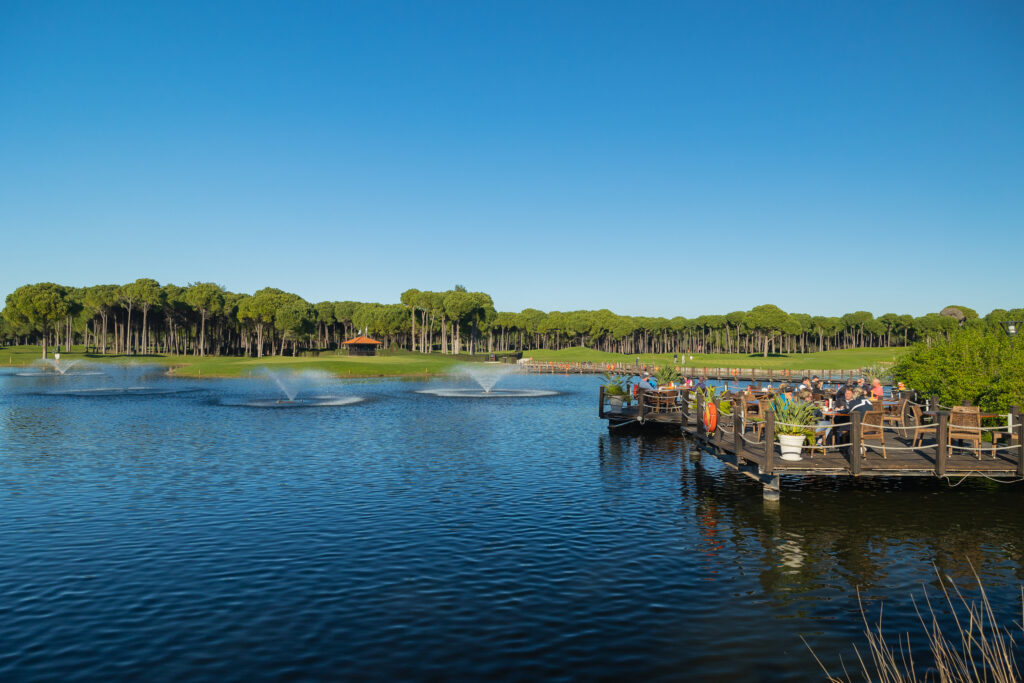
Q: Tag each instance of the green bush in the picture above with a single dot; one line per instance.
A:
(980, 365)
(667, 374)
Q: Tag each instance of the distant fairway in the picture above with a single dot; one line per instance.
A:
(405, 363)
(846, 359)
(392, 365)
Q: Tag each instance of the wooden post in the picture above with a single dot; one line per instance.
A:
(856, 458)
(641, 405)
(738, 411)
(700, 417)
(600, 403)
(942, 445)
(718, 414)
(769, 443)
(1018, 429)
(933, 403)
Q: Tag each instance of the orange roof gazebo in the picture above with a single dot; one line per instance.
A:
(362, 346)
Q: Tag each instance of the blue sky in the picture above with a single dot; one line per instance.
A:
(651, 158)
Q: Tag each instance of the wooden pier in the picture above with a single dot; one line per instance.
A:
(751, 448)
(738, 375)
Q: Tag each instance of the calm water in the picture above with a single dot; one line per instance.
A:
(170, 531)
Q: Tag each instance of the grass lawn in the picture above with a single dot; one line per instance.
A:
(846, 359)
(391, 365)
(404, 363)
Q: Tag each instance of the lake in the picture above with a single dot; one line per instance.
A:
(165, 529)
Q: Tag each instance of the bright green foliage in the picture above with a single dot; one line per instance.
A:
(615, 384)
(666, 374)
(294, 318)
(979, 365)
(37, 306)
(768, 319)
(207, 298)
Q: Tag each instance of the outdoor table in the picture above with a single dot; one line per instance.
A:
(835, 417)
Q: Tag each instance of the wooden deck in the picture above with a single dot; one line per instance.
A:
(737, 375)
(735, 443)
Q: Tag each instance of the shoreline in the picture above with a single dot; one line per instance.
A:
(399, 364)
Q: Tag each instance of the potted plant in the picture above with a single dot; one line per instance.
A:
(615, 390)
(666, 375)
(794, 424)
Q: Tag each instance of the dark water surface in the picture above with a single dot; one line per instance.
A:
(172, 532)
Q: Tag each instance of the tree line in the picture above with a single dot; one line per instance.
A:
(203, 318)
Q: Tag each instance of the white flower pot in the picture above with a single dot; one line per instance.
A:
(616, 403)
(790, 445)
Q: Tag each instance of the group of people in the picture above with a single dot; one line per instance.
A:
(851, 397)
(649, 383)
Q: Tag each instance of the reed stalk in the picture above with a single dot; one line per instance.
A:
(974, 648)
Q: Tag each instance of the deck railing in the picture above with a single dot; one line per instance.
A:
(893, 449)
(716, 374)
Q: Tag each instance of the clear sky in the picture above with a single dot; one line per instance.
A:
(652, 158)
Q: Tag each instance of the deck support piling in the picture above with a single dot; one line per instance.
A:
(856, 445)
(737, 427)
(1018, 429)
(770, 487)
(769, 444)
(942, 445)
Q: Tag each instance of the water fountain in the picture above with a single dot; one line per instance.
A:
(486, 376)
(120, 380)
(54, 367)
(295, 390)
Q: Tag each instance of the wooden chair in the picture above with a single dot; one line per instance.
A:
(896, 415)
(659, 402)
(755, 413)
(1011, 437)
(873, 426)
(965, 425)
(671, 401)
(915, 419)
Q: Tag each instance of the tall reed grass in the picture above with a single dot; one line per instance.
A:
(973, 647)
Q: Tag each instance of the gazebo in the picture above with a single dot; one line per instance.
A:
(362, 346)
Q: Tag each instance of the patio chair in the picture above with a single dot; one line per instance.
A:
(755, 413)
(965, 425)
(896, 415)
(873, 427)
(1011, 437)
(916, 419)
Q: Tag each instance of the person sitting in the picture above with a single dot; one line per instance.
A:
(816, 384)
(876, 388)
(648, 383)
(840, 396)
(857, 401)
(702, 384)
(805, 383)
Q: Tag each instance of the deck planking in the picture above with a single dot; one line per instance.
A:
(731, 444)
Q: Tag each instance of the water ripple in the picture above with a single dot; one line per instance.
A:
(169, 535)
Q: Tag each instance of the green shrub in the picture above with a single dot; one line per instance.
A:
(980, 365)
